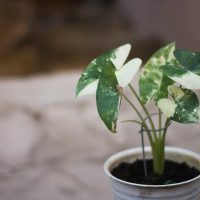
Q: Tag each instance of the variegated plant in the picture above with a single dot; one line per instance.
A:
(108, 74)
(153, 86)
(183, 107)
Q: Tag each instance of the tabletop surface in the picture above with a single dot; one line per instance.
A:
(53, 146)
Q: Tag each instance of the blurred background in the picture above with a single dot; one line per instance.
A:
(53, 146)
(47, 35)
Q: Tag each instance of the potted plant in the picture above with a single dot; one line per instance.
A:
(107, 76)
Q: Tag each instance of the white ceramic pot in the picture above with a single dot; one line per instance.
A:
(122, 190)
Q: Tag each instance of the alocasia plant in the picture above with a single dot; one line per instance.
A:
(184, 105)
(153, 84)
(108, 75)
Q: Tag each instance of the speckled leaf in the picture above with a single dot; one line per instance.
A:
(153, 83)
(94, 69)
(182, 76)
(184, 108)
(189, 60)
(108, 97)
(176, 92)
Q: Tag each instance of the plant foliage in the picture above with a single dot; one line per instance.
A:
(167, 79)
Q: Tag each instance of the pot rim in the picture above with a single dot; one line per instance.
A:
(123, 153)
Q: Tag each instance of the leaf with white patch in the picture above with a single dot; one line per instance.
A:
(185, 107)
(182, 76)
(121, 54)
(93, 70)
(126, 73)
(153, 83)
(176, 92)
(167, 106)
(89, 89)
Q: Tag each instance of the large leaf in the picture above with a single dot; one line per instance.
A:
(182, 76)
(189, 60)
(184, 108)
(153, 83)
(88, 82)
(108, 97)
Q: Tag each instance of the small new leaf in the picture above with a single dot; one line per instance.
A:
(168, 107)
(185, 107)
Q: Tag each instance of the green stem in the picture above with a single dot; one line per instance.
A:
(157, 142)
(159, 151)
(160, 123)
(145, 110)
(134, 121)
(159, 156)
(141, 118)
(166, 126)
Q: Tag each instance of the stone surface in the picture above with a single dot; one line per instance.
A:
(19, 133)
(53, 146)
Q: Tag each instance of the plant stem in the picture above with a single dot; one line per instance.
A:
(145, 110)
(141, 118)
(134, 121)
(160, 123)
(157, 142)
(166, 126)
(159, 151)
(159, 156)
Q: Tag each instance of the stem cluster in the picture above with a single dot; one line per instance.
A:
(155, 136)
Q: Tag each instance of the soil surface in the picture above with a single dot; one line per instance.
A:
(173, 173)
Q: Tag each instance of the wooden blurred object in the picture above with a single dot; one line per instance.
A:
(47, 35)
(41, 36)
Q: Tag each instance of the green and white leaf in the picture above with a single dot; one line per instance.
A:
(176, 92)
(182, 76)
(153, 83)
(121, 54)
(185, 107)
(108, 97)
(126, 73)
(94, 69)
(189, 60)
(89, 89)
(168, 107)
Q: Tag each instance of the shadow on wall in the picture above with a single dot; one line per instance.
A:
(41, 36)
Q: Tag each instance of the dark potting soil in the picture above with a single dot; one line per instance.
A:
(173, 173)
